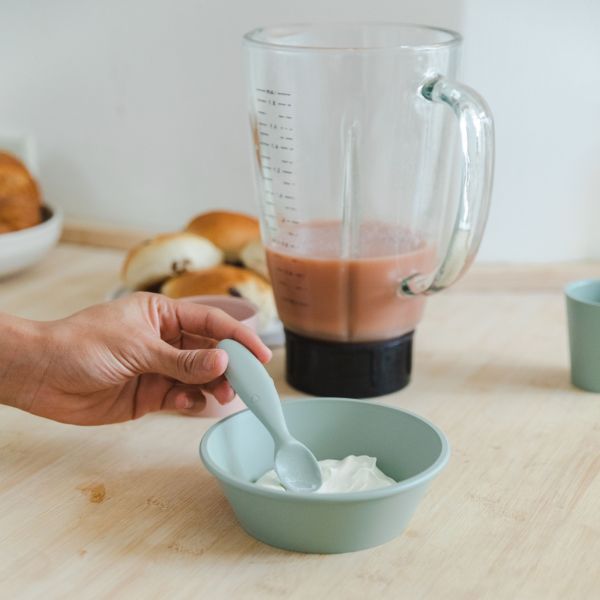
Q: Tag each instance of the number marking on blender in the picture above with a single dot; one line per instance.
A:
(278, 175)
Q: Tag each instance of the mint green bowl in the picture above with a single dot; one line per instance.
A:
(238, 450)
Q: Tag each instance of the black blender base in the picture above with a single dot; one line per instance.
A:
(349, 370)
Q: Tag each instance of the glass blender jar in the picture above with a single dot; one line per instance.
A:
(358, 132)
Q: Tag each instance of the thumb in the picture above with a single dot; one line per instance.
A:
(188, 366)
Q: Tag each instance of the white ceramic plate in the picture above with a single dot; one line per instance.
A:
(23, 248)
(272, 335)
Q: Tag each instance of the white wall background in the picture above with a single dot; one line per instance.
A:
(138, 106)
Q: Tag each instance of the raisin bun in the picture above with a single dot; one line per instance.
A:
(20, 199)
(254, 257)
(155, 260)
(226, 280)
(229, 231)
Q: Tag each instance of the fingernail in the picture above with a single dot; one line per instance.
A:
(209, 359)
(183, 403)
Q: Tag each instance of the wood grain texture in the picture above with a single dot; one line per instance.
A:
(91, 233)
(128, 511)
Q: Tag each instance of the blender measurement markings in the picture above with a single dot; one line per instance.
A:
(275, 123)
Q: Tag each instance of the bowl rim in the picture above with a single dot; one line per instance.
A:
(401, 486)
(54, 220)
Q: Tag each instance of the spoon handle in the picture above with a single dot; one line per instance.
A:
(255, 387)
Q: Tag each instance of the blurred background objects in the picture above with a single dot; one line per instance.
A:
(138, 107)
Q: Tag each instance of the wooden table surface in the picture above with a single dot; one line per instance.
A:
(128, 511)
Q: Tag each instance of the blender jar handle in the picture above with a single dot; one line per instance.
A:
(477, 145)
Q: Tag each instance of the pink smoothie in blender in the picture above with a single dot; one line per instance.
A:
(324, 296)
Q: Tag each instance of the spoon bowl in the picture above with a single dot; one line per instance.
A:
(296, 465)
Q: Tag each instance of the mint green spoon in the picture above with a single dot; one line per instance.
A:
(295, 465)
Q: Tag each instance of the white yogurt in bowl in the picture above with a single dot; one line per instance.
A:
(351, 474)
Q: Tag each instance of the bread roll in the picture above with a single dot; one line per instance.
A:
(20, 201)
(229, 231)
(227, 280)
(254, 257)
(167, 255)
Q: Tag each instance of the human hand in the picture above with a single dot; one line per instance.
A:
(120, 360)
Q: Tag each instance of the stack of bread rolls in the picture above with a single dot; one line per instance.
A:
(219, 252)
(20, 198)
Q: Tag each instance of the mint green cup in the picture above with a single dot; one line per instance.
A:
(583, 312)
(238, 450)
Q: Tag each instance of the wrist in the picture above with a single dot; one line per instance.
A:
(23, 360)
